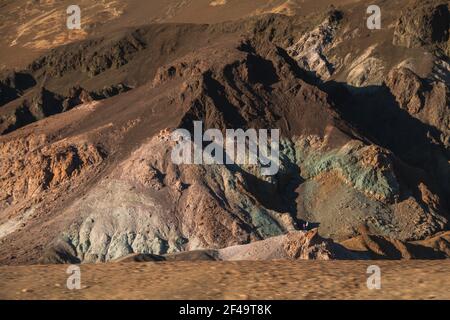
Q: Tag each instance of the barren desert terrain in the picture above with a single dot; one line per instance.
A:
(262, 280)
(355, 95)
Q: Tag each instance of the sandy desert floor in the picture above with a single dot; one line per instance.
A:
(231, 280)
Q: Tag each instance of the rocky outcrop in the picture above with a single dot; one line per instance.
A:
(13, 85)
(367, 69)
(292, 246)
(425, 100)
(41, 103)
(408, 89)
(378, 247)
(423, 23)
(309, 50)
(31, 169)
(76, 56)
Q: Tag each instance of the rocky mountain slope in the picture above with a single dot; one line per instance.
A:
(86, 173)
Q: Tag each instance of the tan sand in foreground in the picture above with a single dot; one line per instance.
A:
(231, 280)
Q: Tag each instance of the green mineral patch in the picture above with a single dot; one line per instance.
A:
(261, 219)
(377, 182)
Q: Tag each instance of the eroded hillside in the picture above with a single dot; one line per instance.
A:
(86, 172)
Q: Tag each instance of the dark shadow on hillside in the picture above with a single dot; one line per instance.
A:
(375, 113)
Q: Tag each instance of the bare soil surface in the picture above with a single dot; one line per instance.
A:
(230, 280)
